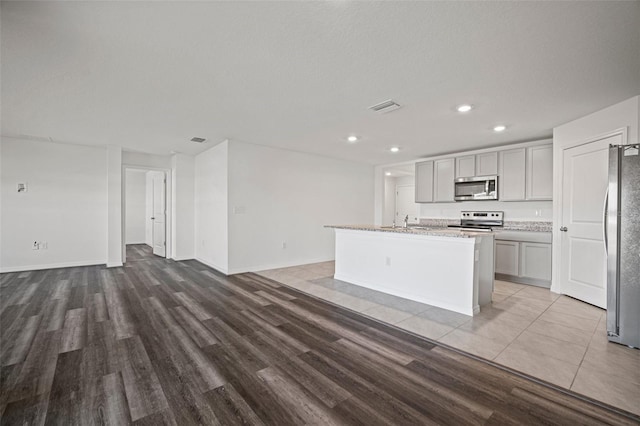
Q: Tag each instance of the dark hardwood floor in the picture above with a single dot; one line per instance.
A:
(163, 342)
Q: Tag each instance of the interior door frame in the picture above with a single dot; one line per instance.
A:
(168, 206)
(558, 176)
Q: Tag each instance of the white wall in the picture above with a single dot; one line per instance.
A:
(65, 204)
(135, 206)
(513, 210)
(115, 231)
(211, 206)
(281, 197)
(142, 159)
(183, 228)
(625, 114)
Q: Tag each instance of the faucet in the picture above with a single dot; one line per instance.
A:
(406, 221)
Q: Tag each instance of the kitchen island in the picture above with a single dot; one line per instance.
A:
(447, 268)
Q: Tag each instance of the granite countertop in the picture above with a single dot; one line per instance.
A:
(509, 225)
(530, 226)
(415, 230)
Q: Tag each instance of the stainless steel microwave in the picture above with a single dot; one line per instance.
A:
(476, 188)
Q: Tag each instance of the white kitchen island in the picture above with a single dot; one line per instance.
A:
(447, 268)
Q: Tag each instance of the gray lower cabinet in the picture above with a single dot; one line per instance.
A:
(507, 258)
(535, 261)
(525, 262)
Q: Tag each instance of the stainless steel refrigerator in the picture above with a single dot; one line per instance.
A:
(622, 239)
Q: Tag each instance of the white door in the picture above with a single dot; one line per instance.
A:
(159, 214)
(405, 204)
(583, 258)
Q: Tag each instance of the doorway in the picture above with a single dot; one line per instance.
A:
(406, 206)
(582, 249)
(399, 195)
(145, 214)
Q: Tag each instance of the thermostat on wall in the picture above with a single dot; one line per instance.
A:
(22, 187)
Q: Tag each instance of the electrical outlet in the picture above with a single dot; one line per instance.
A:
(387, 261)
(284, 245)
(44, 245)
(36, 246)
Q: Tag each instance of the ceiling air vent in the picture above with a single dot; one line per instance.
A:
(386, 106)
(198, 140)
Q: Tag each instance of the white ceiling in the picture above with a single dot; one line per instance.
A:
(300, 75)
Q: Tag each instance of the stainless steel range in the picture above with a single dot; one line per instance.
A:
(479, 221)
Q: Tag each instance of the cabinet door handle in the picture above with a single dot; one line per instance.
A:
(564, 229)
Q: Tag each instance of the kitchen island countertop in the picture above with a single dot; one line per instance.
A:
(416, 230)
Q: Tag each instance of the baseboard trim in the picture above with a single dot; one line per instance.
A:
(523, 280)
(212, 265)
(25, 268)
(115, 265)
(268, 266)
(180, 259)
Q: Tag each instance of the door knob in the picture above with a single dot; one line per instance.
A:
(153, 218)
(564, 229)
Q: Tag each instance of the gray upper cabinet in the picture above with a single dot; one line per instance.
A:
(487, 164)
(466, 166)
(523, 174)
(512, 177)
(424, 182)
(540, 172)
(443, 177)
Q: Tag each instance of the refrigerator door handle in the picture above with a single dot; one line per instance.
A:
(612, 223)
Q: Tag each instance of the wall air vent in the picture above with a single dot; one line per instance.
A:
(386, 106)
(198, 140)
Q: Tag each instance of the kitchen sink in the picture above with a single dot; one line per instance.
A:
(409, 227)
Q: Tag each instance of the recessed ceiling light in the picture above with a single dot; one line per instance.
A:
(388, 174)
(500, 128)
(394, 149)
(352, 138)
(464, 108)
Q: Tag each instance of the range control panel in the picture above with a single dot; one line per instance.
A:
(482, 218)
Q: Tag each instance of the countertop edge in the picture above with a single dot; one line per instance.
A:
(449, 233)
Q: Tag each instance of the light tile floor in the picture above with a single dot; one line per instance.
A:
(530, 329)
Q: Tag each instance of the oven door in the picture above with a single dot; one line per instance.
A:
(478, 188)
